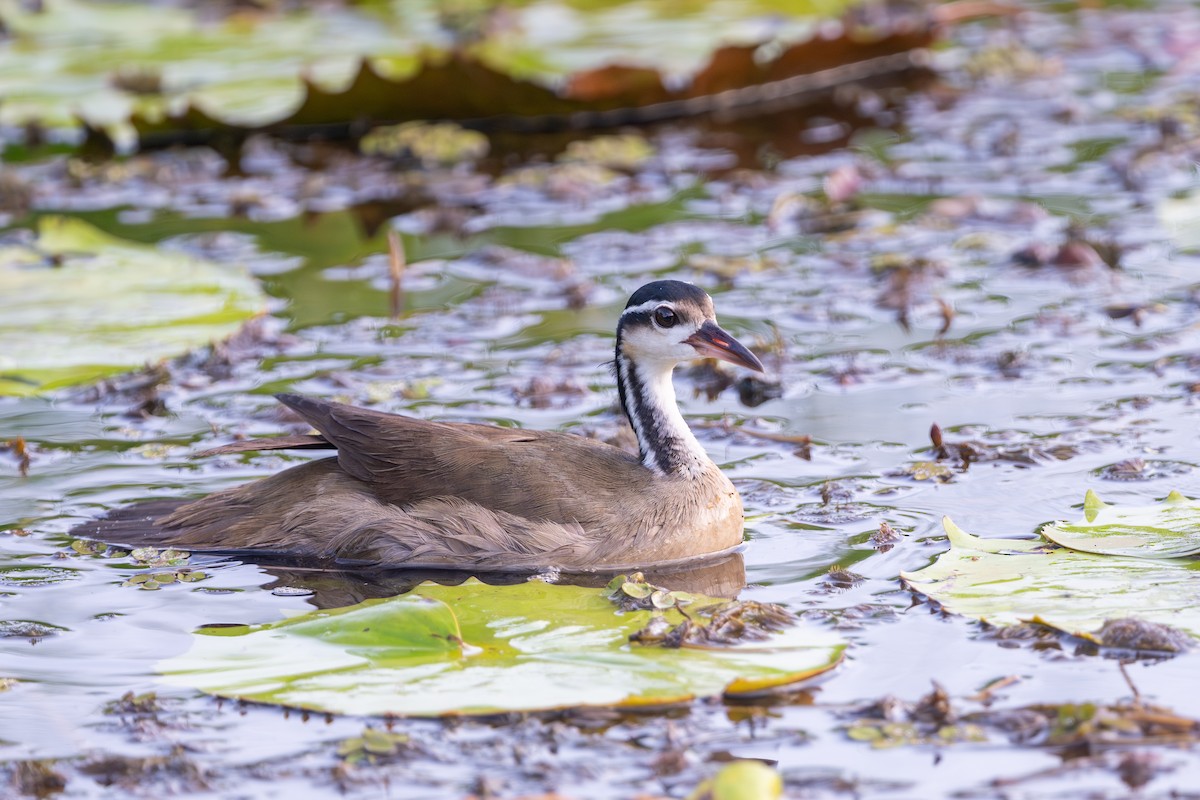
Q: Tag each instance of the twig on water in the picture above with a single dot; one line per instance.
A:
(1137, 696)
(398, 262)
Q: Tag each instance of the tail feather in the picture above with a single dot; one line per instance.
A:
(312, 410)
(303, 441)
(134, 526)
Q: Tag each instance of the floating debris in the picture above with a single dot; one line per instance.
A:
(374, 746)
(625, 152)
(292, 591)
(720, 625)
(151, 581)
(890, 722)
(28, 629)
(839, 579)
(885, 538)
(1131, 633)
(924, 471)
(635, 593)
(21, 452)
(429, 144)
(135, 704)
(155, 557)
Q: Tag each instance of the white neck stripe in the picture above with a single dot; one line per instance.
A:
(670, 447)
(633, 399)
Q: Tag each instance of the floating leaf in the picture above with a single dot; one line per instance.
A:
(741, 780)
(925, 471)
(480, 649)
(79, 305)
(662, 599)
(624, 151)
(864, 733)
(463, 88)
(882, 734)
(1010, 581)
(373, 746)
(1170, 530)
(634, 593)
(638, 591)
(430, 144)
(87, 547)
(155, 580)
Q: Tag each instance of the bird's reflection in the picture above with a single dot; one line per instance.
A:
(334, 588)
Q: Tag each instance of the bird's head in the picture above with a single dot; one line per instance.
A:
(666, 322)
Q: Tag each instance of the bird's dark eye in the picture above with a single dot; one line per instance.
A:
(665, 317)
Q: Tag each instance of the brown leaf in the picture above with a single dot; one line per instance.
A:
(21, 450)
(632, 86)
(730, 68)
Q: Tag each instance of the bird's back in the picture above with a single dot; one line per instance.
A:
(411, 492)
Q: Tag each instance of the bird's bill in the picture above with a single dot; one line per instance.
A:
(711, 341)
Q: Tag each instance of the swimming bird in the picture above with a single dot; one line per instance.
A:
(407, 492)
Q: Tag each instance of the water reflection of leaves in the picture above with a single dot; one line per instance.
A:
(460, 86)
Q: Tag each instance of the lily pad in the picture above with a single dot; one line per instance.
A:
(78, 305)
(480, 649)
(1123, 573)
(1170, 530)
(469, 87)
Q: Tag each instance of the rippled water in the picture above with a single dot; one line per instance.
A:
(1035, 357)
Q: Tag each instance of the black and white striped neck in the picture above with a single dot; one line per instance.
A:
(665, 442)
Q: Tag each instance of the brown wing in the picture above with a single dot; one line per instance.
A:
(534, 474)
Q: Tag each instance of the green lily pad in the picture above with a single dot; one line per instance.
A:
(1170, 530)
(479, 649)
(102, 61)
(79, 305)
(1122, 574)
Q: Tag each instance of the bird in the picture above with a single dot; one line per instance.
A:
(405, 492)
